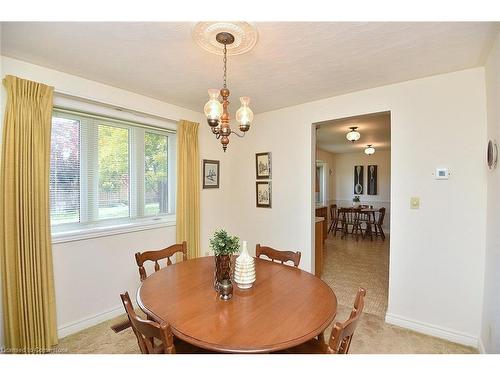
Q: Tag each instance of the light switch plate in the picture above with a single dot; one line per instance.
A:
(414, 203)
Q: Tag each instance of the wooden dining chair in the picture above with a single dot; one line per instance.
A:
(278, 255)
(341, 336)
(333, 217)
(356, 215)
(146, 331)
(156, 255)
(379, 231)
(340, 223)
(366, 218)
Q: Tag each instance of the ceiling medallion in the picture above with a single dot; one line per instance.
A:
(217, 110)
(245, 36)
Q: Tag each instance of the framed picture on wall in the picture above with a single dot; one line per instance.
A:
(358, 180)
(371, 180)
(210, 174)
(263, 193)
(263, 165)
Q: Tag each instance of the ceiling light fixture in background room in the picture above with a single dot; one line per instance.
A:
(353, 135)
(369, 150)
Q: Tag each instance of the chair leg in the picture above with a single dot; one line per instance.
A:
(332, 225)
(382, 234)
(118, 327)
(336, 228)
(369, 230)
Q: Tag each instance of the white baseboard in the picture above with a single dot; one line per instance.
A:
(77, 326)
(432, 330)
(481, 348)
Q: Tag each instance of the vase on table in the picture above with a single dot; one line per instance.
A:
(244, 269)
(222, 269)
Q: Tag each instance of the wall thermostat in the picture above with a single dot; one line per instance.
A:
(442, 174)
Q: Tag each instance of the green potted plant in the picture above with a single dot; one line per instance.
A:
(355, 201)
(224, 246)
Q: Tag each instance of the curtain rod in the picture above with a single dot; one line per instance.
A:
(111, 105)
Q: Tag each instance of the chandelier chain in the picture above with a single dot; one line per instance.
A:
(225, 62)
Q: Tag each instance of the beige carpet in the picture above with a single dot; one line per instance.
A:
(372, 336)
(349, 264)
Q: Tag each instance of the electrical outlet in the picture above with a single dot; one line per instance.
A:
(414, 203)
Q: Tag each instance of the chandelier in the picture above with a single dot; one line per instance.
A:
(353, 135)
(217, 110)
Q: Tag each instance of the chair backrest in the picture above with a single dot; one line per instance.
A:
(356, 214)
(333, 211)
(156, 255)
(147, 330)
(281, 256)
(345, 214)
(342, 333)
(381, 215)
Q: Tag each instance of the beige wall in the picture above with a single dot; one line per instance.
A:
(437, 252)
(490, 333)
(343, 173)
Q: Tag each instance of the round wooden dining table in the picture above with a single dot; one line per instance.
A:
(285, 307)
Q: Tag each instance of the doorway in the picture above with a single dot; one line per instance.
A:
(353, 169)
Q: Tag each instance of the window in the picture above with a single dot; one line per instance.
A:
(108, 173)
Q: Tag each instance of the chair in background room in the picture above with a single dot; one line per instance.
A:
(343, 215)
(333, 217)
(356, 216)
(280, 256)
(341, 336)
(378, 224)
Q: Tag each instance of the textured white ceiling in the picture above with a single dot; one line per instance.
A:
(292, 63)
(375, 129)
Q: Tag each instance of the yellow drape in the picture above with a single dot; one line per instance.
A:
(188, 187)
(25, 239)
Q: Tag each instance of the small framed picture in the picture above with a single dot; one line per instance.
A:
(263, 193)
(210, 174)
(263, 165)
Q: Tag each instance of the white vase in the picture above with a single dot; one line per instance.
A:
(244, 269)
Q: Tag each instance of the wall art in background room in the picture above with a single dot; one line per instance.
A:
(210, 174)
(263, 165)
(358, 180)
(263, 193)
(371, 180)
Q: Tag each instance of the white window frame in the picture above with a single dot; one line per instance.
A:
(98, 228)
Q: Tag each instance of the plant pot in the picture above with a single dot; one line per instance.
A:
(222, 269)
